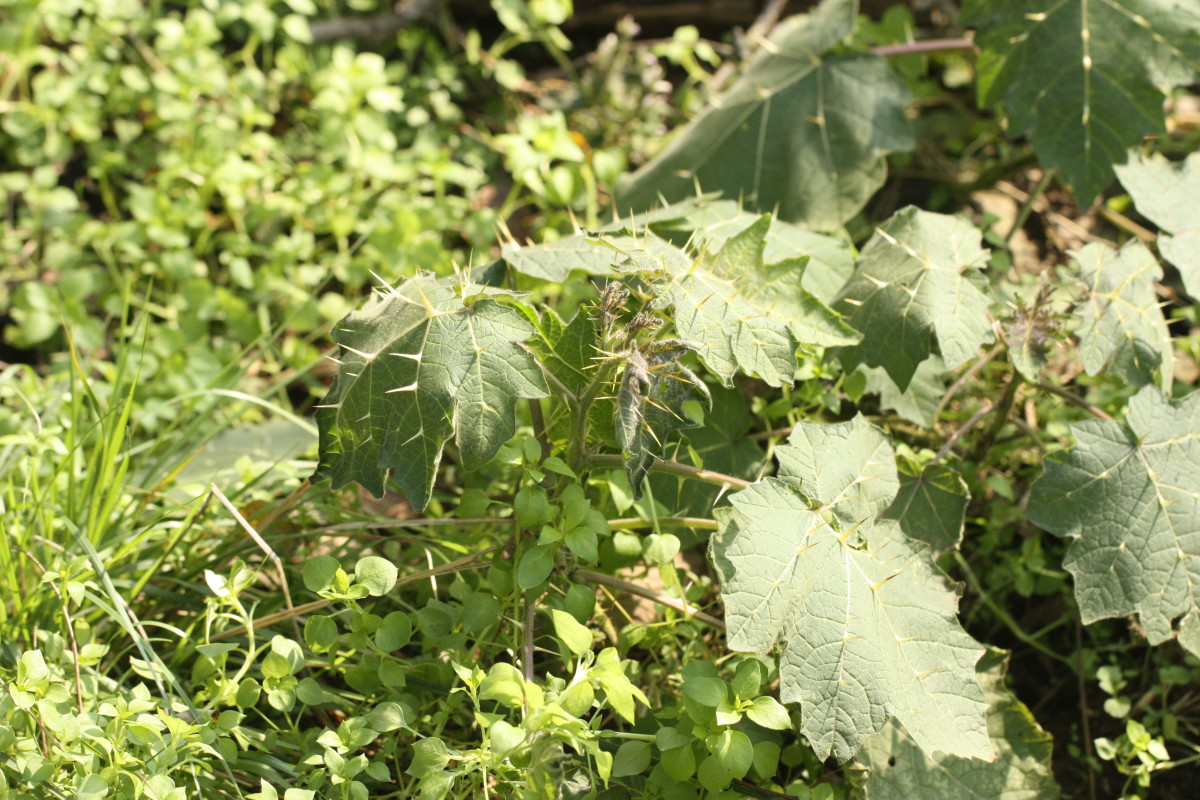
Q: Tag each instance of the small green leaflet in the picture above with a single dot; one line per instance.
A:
(802, 131)
(1084, 75)
(654, 387)
(1129, 496)
(863, 621)
(744, 315)
(1121, 328)
(1169, 196)
(918, 280)
(897, 768)
(417, 365)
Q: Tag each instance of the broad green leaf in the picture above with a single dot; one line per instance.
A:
(931, 505)
(707, 224)
(377, 574)
(1084, 76)
(919, 402)
(576, 637)
(568, 349)
(898, 768)
(1122, 329)
(555, 261)
(864, 633)
(1129, 498)
(1169, 196)
(744, 315)
(417, 365)
(801, 131)
(918, 281)
(654, 387)
(848, 467)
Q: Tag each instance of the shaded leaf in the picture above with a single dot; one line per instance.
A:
(800, 131)
(1084, 77)
(1129, 496)
(917, 282)
(919, 402)
(744, 315)
(898, 768)
(930, 505)
(1169, 196)
(1122, 329)
(416, 366)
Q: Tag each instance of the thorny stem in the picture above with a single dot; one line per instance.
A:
(674, 468)
(649, 594)
(958, 434)
(926, 46)
(966, 376)
(1084, 712)
(583, 404)
(634, 523)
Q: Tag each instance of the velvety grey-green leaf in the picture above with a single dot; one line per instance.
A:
(1129, 496)
(416, 366)
(930, 505)
(1121, 328)
(601, 254)
(709, 223)
(918, 282)
(864, 633)
(1169, 196)
(1085, 77)
(897, 768)
(747, 316)
(919, 402)
(800, 132)
(848, 467)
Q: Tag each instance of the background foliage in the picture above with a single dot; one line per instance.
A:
(718, 352)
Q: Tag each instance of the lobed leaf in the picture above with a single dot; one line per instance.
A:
(417, 365)
(1129, 497)
(918, 280)
(1084, 76)
(802, 131)
(1122, 329)
(1169, 195)
(863, 621)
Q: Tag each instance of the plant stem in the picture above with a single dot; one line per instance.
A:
(1070, 398)
(926, 46)
(958, 434)
(1002, 410)
(1003, 614)
(578, 444)
(635, 523)
(674, 468)
(527, 636)
(966, 376)
(1027, 206)
(649, 594)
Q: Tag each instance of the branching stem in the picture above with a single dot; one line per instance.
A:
(641, 591)
(675, 468)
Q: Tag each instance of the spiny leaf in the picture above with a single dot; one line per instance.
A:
(801, 131)
(654, 387)
(917, 281)
(1169, 196)
(848, 467)
(1129, 496)
(708, 224)
(1084, 75)
(898, 768)
(863, 621)
(416, 366)
(930, 505)
(865, 633)
(1122, 329)
(744, 315)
